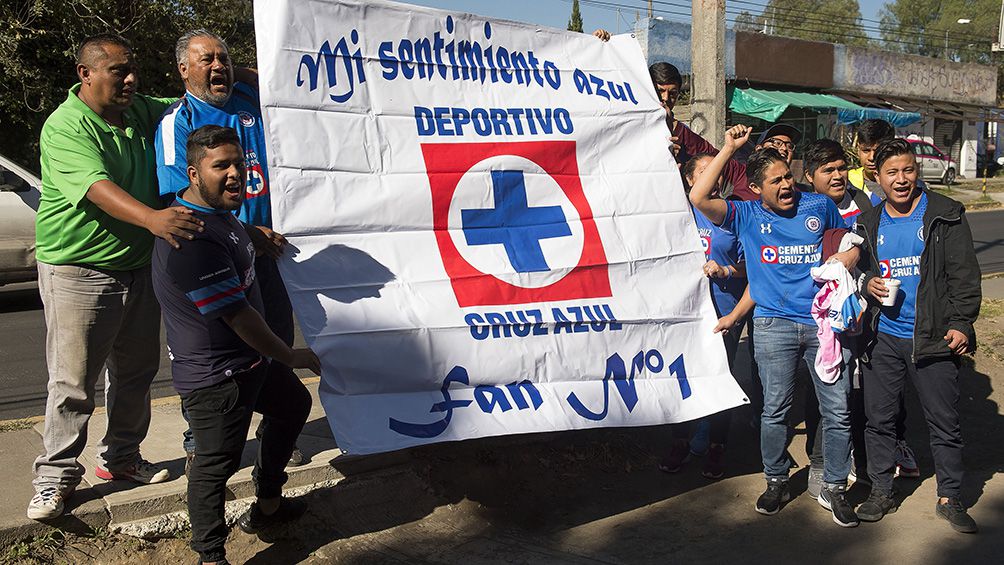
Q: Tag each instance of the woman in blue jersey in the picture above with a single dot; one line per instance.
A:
(727, 271)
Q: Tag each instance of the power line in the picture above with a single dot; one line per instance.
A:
(684, 17)
(852, 25)
(880, 23)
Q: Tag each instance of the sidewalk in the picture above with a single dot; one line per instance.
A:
(142, 510)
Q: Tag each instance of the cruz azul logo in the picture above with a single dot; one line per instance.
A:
(884, 266)
(813, 224)
(768, 254)
(512, 223)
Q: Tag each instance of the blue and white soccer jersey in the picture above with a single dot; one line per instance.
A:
(242, 113)
(724, 248)
(780, 251)
(900, 244)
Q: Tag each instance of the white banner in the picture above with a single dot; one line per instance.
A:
(489, 233)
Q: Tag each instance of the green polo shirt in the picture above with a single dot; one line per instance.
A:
(78, 149)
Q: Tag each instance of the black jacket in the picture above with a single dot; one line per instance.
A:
(949, 293)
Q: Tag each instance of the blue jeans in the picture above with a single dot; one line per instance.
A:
(779, 346)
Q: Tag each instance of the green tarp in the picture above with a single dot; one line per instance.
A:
(768, 105)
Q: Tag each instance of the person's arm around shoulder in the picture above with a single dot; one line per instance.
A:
(74, 165)
(963, 276)
(716, 209)
(248, 324)
(169, 224)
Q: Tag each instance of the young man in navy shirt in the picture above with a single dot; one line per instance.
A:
(782, 236)
(214, 97)
(220, 347)
(923, 240)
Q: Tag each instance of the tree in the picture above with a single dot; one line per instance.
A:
(38, 39)
(575, 22)
(921, 26)
(746, 21)
(834, 21)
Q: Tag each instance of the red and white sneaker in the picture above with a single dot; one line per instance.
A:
(906, 463)
(142, 471)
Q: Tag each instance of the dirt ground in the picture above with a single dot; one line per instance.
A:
(597, 497)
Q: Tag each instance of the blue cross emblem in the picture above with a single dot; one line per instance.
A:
(253, 181)
(515, 225)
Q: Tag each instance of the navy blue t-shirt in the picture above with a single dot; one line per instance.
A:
(780, 251)
(196, 285)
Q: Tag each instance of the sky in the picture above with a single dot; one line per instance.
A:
(555, 13)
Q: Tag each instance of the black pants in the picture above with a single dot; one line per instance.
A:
(937, 384)
(718, 428)
(220, 416)
(278, 316)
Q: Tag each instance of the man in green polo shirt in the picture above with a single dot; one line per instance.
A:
(95, 226)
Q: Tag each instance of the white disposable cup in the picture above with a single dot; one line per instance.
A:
(892, 285)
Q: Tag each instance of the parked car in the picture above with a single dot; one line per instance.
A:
(935, 164)
(19, 194)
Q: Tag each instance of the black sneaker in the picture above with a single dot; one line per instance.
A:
(877, 506)
(833, 498)
(777, 493)
(956, 514)
(714, 465)
(297, 458)
(678, 455)
(254, 521)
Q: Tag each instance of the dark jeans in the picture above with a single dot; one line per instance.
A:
(937, 384)
(718, 429)
(278, 315)
(220, 416)
(814, 428)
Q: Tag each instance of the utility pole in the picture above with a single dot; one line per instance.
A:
(707, 76)
(650, 9)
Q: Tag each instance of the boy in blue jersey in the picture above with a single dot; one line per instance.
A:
(727, 272)
(213, 97)
(219, 345)
(923, 240)
(782, 236)
(825, 166)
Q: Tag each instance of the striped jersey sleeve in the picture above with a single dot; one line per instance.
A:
(206, 273)
(169, 143)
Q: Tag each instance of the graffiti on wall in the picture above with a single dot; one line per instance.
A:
(879, 72)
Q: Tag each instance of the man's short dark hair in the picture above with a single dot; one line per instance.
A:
(821, 152)
(759, 161)
(891, 148)
(208, 137)
(874, 132)
(99, 40)
(664, 73)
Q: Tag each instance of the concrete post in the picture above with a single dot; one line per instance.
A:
(707, 55)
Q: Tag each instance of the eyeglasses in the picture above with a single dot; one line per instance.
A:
(774, 142)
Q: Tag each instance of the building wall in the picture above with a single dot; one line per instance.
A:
(872, 71)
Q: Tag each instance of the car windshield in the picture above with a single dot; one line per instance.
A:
(11, 182)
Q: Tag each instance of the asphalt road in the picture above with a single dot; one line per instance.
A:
(988, 238)
(22, 349)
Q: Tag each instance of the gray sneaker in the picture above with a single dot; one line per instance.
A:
(48, 503)
(815, 481)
